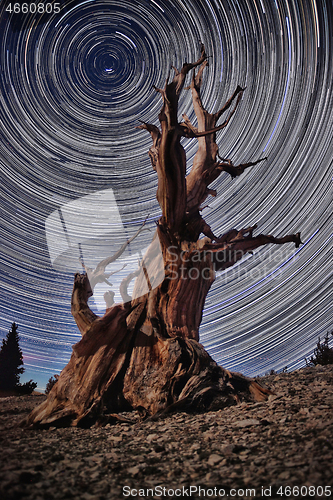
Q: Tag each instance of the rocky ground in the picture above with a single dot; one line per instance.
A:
(282, 448)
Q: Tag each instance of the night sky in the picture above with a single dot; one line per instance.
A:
(76, 179)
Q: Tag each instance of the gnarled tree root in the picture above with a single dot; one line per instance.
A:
(118, 372)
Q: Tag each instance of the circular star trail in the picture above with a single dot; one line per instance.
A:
(74, 87)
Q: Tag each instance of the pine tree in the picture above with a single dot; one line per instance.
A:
(11, 360)
(50, 384)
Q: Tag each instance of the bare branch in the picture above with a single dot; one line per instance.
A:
(157, 89)
(102, 265)
(124, 285)
(152, 129)
(189, 131)
(156, 136)
(98, 274)
(232, 246)
(188, 66)
(80, 310)
(175, 70)
(197, 80)
(109, 299)
(239, 90)
(146, 275)
(189, 124)
(235, 170)
(235, 234)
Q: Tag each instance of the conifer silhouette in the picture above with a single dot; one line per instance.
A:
(11, 360)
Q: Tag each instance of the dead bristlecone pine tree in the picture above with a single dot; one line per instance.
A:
(145, 354)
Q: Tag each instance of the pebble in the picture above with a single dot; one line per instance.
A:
(285, 441)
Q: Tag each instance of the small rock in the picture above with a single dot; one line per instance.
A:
(214, 459)
(152, 437)
(134, 470)
(284, 475)
(247, 423)
(115, 439)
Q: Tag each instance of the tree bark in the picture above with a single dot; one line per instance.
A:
(145, 354)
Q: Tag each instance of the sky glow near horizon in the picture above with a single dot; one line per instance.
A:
(73, 89)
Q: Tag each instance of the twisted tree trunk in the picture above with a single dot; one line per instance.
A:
(145, 354)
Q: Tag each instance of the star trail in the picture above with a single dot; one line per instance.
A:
(76, 178)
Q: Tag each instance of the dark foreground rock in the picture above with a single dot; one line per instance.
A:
(282, 448)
